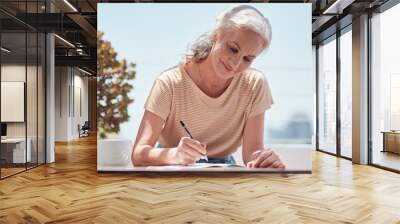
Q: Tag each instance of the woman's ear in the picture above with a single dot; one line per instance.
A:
(217, 34)
(214, 36)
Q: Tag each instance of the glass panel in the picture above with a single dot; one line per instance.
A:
(31, 98)
(327, 96)
(22, 63)
(31, 85)
(13, 85)
(13, 91)
(41, 98)
(314, 72)
(40, 7)
(346, 93)
(386, 89)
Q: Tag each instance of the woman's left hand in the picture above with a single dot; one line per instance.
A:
(266, 158)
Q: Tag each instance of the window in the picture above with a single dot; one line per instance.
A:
(385, 87)
(327, 96)
(346, 94)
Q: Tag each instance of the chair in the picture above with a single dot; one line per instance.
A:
(84, 130)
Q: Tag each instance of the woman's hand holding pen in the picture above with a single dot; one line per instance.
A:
(189, 151)
(266, 158)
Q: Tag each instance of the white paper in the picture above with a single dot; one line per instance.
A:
(192, 166)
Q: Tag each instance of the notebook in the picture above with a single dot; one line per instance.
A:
(194, 166)
(213, 165)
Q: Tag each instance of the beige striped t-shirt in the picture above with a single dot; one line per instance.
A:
(218, 122)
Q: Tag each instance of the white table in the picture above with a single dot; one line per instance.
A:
(296, 160)
(18, 145)
(175, 169)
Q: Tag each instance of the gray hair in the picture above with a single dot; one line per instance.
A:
(241, 16)
(201, 48)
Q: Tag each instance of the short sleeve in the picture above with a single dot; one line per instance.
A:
(159, 100)
(262, 99)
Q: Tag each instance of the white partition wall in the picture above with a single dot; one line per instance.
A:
(71, 102)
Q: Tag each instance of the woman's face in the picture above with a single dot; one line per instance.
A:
(234, 51)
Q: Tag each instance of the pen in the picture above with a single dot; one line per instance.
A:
(188, 132)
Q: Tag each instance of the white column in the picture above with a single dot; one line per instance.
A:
(360, 90)
(50, 94)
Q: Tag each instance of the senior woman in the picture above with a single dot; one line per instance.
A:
(220, 99)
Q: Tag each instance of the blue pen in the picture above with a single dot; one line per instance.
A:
(188, 132)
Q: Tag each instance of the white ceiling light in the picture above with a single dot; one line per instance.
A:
(5, 50)
(65, 41)
(338, 6)
(79, 51)
(71, 6)
(86, 72)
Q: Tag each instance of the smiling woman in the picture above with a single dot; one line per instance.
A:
(214, 90)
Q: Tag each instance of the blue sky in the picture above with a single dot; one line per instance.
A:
(156, 36)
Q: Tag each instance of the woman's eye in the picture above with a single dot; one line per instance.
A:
(247, 59)
(233, 50)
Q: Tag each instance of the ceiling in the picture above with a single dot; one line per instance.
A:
(74, 22)
(329, 16)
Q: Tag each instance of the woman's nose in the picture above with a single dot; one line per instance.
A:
(235, 61)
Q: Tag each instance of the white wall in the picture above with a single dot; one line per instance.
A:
(71, 94)
(80, 101)
(61, 103)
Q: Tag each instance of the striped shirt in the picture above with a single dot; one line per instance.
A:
(218, 122)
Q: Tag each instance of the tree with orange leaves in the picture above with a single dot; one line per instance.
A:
(113, 87)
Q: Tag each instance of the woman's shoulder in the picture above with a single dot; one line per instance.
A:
(253, 77)
(171, 76)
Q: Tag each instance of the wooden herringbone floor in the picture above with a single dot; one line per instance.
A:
(71, 191)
